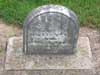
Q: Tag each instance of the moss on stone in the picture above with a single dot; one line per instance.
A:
(67, 64)
(35, 65)
(1, 50)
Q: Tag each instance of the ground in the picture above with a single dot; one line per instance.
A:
(7, 31)
(94, 37)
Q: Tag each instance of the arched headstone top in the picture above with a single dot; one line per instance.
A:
(48, 9)
(50, 29)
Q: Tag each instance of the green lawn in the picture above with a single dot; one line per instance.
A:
(14, 11)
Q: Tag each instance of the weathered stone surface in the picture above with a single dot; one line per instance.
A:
(50, 29)
(50, 72)
(17, 60)
(60, 72)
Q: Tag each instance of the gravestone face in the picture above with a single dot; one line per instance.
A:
(50, 29)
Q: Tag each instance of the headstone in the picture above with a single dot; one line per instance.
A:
(50, 29)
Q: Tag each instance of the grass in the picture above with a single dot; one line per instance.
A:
(88, 11)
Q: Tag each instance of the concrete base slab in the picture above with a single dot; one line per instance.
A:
(17, 60)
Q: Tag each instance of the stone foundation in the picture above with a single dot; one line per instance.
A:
(79, 63)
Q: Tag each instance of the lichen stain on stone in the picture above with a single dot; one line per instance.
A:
(17, 44)
(34, 65)
(67, 65)
(14, 47)
(83, 51)
(1, 50)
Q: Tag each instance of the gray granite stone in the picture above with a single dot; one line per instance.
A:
(60, 72)
(11, 72)
(79, 72)
(50, 29)
(17, 60)
(43, 72)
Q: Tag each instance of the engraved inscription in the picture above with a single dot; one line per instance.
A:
(49, 30)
